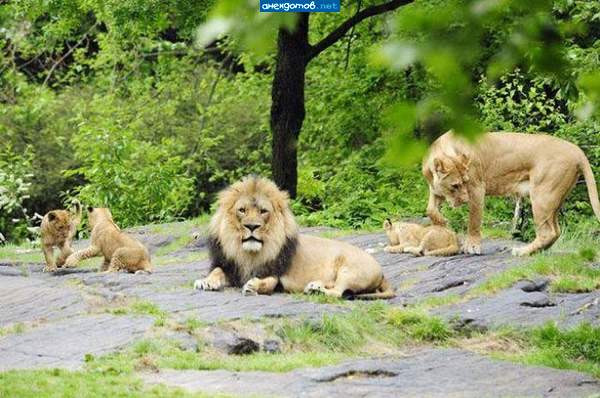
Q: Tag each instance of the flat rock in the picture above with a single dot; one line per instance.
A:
(519, 308)
(65, 343)
(26, 299)
(424, 373)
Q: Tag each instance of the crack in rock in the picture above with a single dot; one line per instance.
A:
(358, 374)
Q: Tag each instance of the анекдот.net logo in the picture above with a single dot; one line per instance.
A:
(299, 5)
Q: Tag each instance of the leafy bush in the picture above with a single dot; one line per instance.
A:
(15, 183)
(137, 180)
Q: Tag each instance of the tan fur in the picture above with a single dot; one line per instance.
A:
(432, 240)
(318, 265)
(120, 251)
(506, 164)
(57, 230)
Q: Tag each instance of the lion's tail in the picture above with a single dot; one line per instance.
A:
(590, 182)
(384, 291)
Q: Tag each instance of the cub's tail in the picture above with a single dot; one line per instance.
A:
(590, 182)
(384, 291)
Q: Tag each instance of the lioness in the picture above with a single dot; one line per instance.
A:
(506, 164)
(431, 240)
(120, 251)
(254, 244)
(57, 230)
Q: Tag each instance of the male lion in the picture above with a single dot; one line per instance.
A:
(254, 244)
(431, 240)
(506, 164)
(57, 230)
(120, 251)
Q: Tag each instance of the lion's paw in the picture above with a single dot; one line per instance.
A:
(70, 262)
(314, 287)
(206, 284)
(471, 246)
(49, 269)
(250, 288)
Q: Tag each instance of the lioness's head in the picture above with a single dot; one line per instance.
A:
(253, 221)
(97, 215)
(450, 178)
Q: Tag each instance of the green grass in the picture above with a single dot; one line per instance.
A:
(577, 348)
(16, 328)
(62, 383)
(142, 307)
(26, 253)
(568, 273)
(191, 257)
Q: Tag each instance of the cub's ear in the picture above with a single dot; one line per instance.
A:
(439, 166)
(387, 224)
(90, 209)
(51, 216)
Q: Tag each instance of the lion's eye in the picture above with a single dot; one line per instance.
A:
(455, 187)
(264, 211)
(242, 210)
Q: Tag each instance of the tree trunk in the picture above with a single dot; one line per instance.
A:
(287, 107)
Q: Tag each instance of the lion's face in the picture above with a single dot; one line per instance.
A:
(450, 179)
(253, 221)
(253, 213)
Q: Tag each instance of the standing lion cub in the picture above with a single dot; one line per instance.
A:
(432, 240)
(120, 251)
(58, 229)
(506, 164)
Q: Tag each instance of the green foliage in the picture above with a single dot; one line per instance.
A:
(137, 180)
(15, 185)
(117, 103)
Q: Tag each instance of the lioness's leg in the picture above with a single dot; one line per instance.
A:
(49, 256)
(472, 244)
(545, 216)
(76, 257)
(260, 286)
(216, 280)
(433, 208)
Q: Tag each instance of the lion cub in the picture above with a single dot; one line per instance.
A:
(120, 251)
(58, 229)
(432, 240)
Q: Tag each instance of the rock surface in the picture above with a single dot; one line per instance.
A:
(66, 343)
(424, 373)
(64, 317)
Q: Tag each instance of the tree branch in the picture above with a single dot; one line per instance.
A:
(341, 30)
(71, 49)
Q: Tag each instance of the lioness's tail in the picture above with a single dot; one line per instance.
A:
(76, 211)
(590, 181)
(384, 291)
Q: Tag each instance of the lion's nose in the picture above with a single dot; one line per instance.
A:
(251, 227)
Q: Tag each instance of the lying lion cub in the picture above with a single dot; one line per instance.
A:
(57, 230)
(506, 164)
(120, 251)
(254, 244)
(432, 240)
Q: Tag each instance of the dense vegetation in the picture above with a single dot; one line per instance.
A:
(114, 103)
